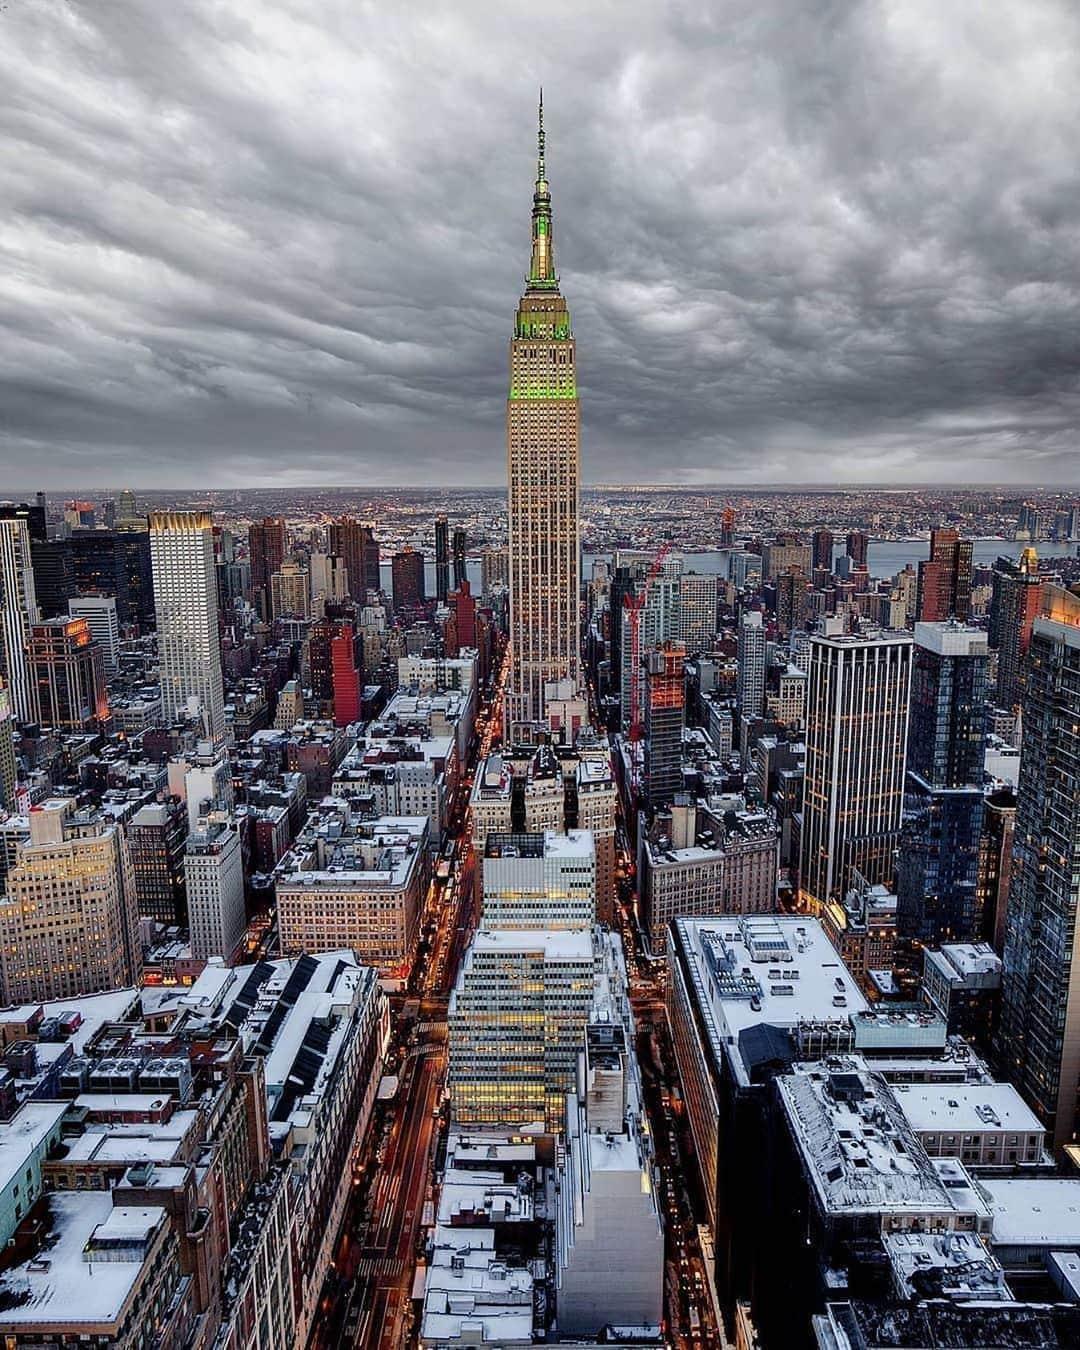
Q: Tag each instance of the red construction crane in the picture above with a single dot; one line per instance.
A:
(634, 604)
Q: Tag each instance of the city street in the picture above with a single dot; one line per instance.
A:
(368, 1299)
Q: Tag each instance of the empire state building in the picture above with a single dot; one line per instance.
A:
(542, 450)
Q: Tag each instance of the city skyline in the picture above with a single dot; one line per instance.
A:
(528, 912)
(764, 296)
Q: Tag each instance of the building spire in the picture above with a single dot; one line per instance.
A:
(540, 171)
(542, 267)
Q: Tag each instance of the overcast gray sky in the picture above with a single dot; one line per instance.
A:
(254, 241)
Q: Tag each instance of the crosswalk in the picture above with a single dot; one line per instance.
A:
(374, 1267)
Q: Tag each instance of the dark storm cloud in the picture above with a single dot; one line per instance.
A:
(802, 240)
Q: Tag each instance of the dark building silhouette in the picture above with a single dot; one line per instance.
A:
(858, 547)
(442, 559)
(33, 515)
(1016, 598)
(156, 837)
(54, 576)
(354, 541)
(266, 553)
(319, 672)
(995, 863)
(460, 545)
(116, 562)
(407, 578)
(938, 862)
(1039, 1035)
(822, 549)
(665, 704)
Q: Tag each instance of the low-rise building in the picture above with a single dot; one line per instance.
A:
(962, 981)
(702, 858)
(985, 1125)
(862, 927)
(608, 1227)
(355, 884)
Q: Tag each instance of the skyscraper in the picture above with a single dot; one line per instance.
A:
(9, 767)
(50, 558)
(116, 562)
(750, 686)
(665, 702)
(464, 605)
(460, 543)
(945, 578)
(54, 575)
(33, 515)
(345, 675)
(786, 551)
(659, 620)
(856, 740)
(1017, 596)
(290, 591)
(494, 570)
(1039, 1031)
(938, 864)
(214, 878)
(18, 610)
(442, 559)
(1028, 522)
(543, 463)
(185, 592)
(407, 578)
(156, 836)
(266, 553)
(858, 547)
(68, 675)
(822, 547)
(697, 610)
(99, 611)
(792, 588)
(355, 541)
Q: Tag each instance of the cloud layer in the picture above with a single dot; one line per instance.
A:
(282, 240)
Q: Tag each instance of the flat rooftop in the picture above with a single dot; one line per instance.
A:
(563, 944)
(64, 1287)
(26, 1131)
(859, 1152)
(962, 1108)
(574, 844)
(955, 1264)
(777, 970)
(1034, 1211)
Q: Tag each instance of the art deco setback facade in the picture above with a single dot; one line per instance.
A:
(544, 473)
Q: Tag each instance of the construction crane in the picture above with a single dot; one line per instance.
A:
(634, 604)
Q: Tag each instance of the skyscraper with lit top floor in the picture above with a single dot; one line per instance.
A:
(544, 473)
